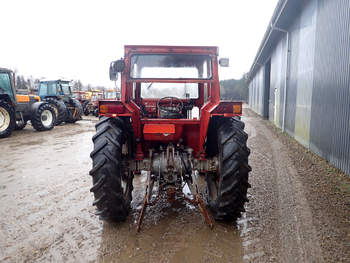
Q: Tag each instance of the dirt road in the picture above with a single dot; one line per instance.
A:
(46, 211)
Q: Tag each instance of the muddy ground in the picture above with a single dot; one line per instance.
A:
(299, 209)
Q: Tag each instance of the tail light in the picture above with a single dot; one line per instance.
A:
(237, 108)
(228, 108)
(117, 108)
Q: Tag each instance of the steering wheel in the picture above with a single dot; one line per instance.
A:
(169, 105)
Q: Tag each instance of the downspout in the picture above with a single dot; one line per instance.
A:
(267, 38)
(273, 27)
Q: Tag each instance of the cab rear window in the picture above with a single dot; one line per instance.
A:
(5, 84)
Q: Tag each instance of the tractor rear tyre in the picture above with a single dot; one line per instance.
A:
(96, 112)
(85, 108)
(76, 114)
(227, 190)
(7, 119)
(44, 117)
(20, 124)
(111, 187)
(59, 108)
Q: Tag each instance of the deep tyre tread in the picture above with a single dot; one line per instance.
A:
(233, 154)
(61, 108)
(77, 105)
(11, 111)
(110, 201)
(85, 108)
(36, 117)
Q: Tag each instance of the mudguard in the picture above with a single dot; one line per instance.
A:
(35, 106)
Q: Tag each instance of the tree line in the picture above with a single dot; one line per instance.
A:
(234, 89)
(230, 89)
(25, 85)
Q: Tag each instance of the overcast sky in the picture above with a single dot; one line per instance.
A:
(78, 39)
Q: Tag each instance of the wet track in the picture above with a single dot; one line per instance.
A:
(46, 211)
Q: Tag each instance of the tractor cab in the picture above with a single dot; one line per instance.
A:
(169, 86)
(7, 87)
(170, 89)
(55, 89)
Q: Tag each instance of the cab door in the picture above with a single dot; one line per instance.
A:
(6, 85)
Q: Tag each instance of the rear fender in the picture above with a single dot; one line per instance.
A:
(227, 109)
(114, 108)
(35, 106)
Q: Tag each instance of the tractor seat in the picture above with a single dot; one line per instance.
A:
(170, 115)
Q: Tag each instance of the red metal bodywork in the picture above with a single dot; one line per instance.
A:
(80, 96)
(150, 130)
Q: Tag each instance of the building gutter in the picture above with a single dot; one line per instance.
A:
(270, 30)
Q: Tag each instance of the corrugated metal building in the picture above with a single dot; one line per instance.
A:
(300, 78)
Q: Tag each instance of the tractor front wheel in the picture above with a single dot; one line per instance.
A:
(112, 188)
(59, 108)
(43, 117)
(227, 189)
(7, 119)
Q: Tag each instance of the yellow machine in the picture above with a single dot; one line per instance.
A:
(16, 110)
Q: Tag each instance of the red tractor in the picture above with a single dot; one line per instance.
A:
(170, 122)
(90, 106)
(80, 96)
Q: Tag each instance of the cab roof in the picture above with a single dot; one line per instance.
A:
(149, 49)
(54, 80)
(5, 70)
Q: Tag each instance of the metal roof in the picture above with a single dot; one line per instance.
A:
(285, 12)
(5, 70)
(55, 80)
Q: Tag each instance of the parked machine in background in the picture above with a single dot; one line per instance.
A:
(80, 96)
(111, 94)
(83, 97)
(170, 122)
(91, 107)
(58, 94)
(17, 110)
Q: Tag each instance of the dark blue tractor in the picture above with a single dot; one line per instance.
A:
(58, 93)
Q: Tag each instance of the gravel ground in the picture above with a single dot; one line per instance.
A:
(302, 203)
(328, 195)
(298, 210)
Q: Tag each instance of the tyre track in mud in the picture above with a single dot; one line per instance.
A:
(46, 211)
(46, 180)
(287, 232)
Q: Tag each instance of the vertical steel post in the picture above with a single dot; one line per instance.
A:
(286, 77)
